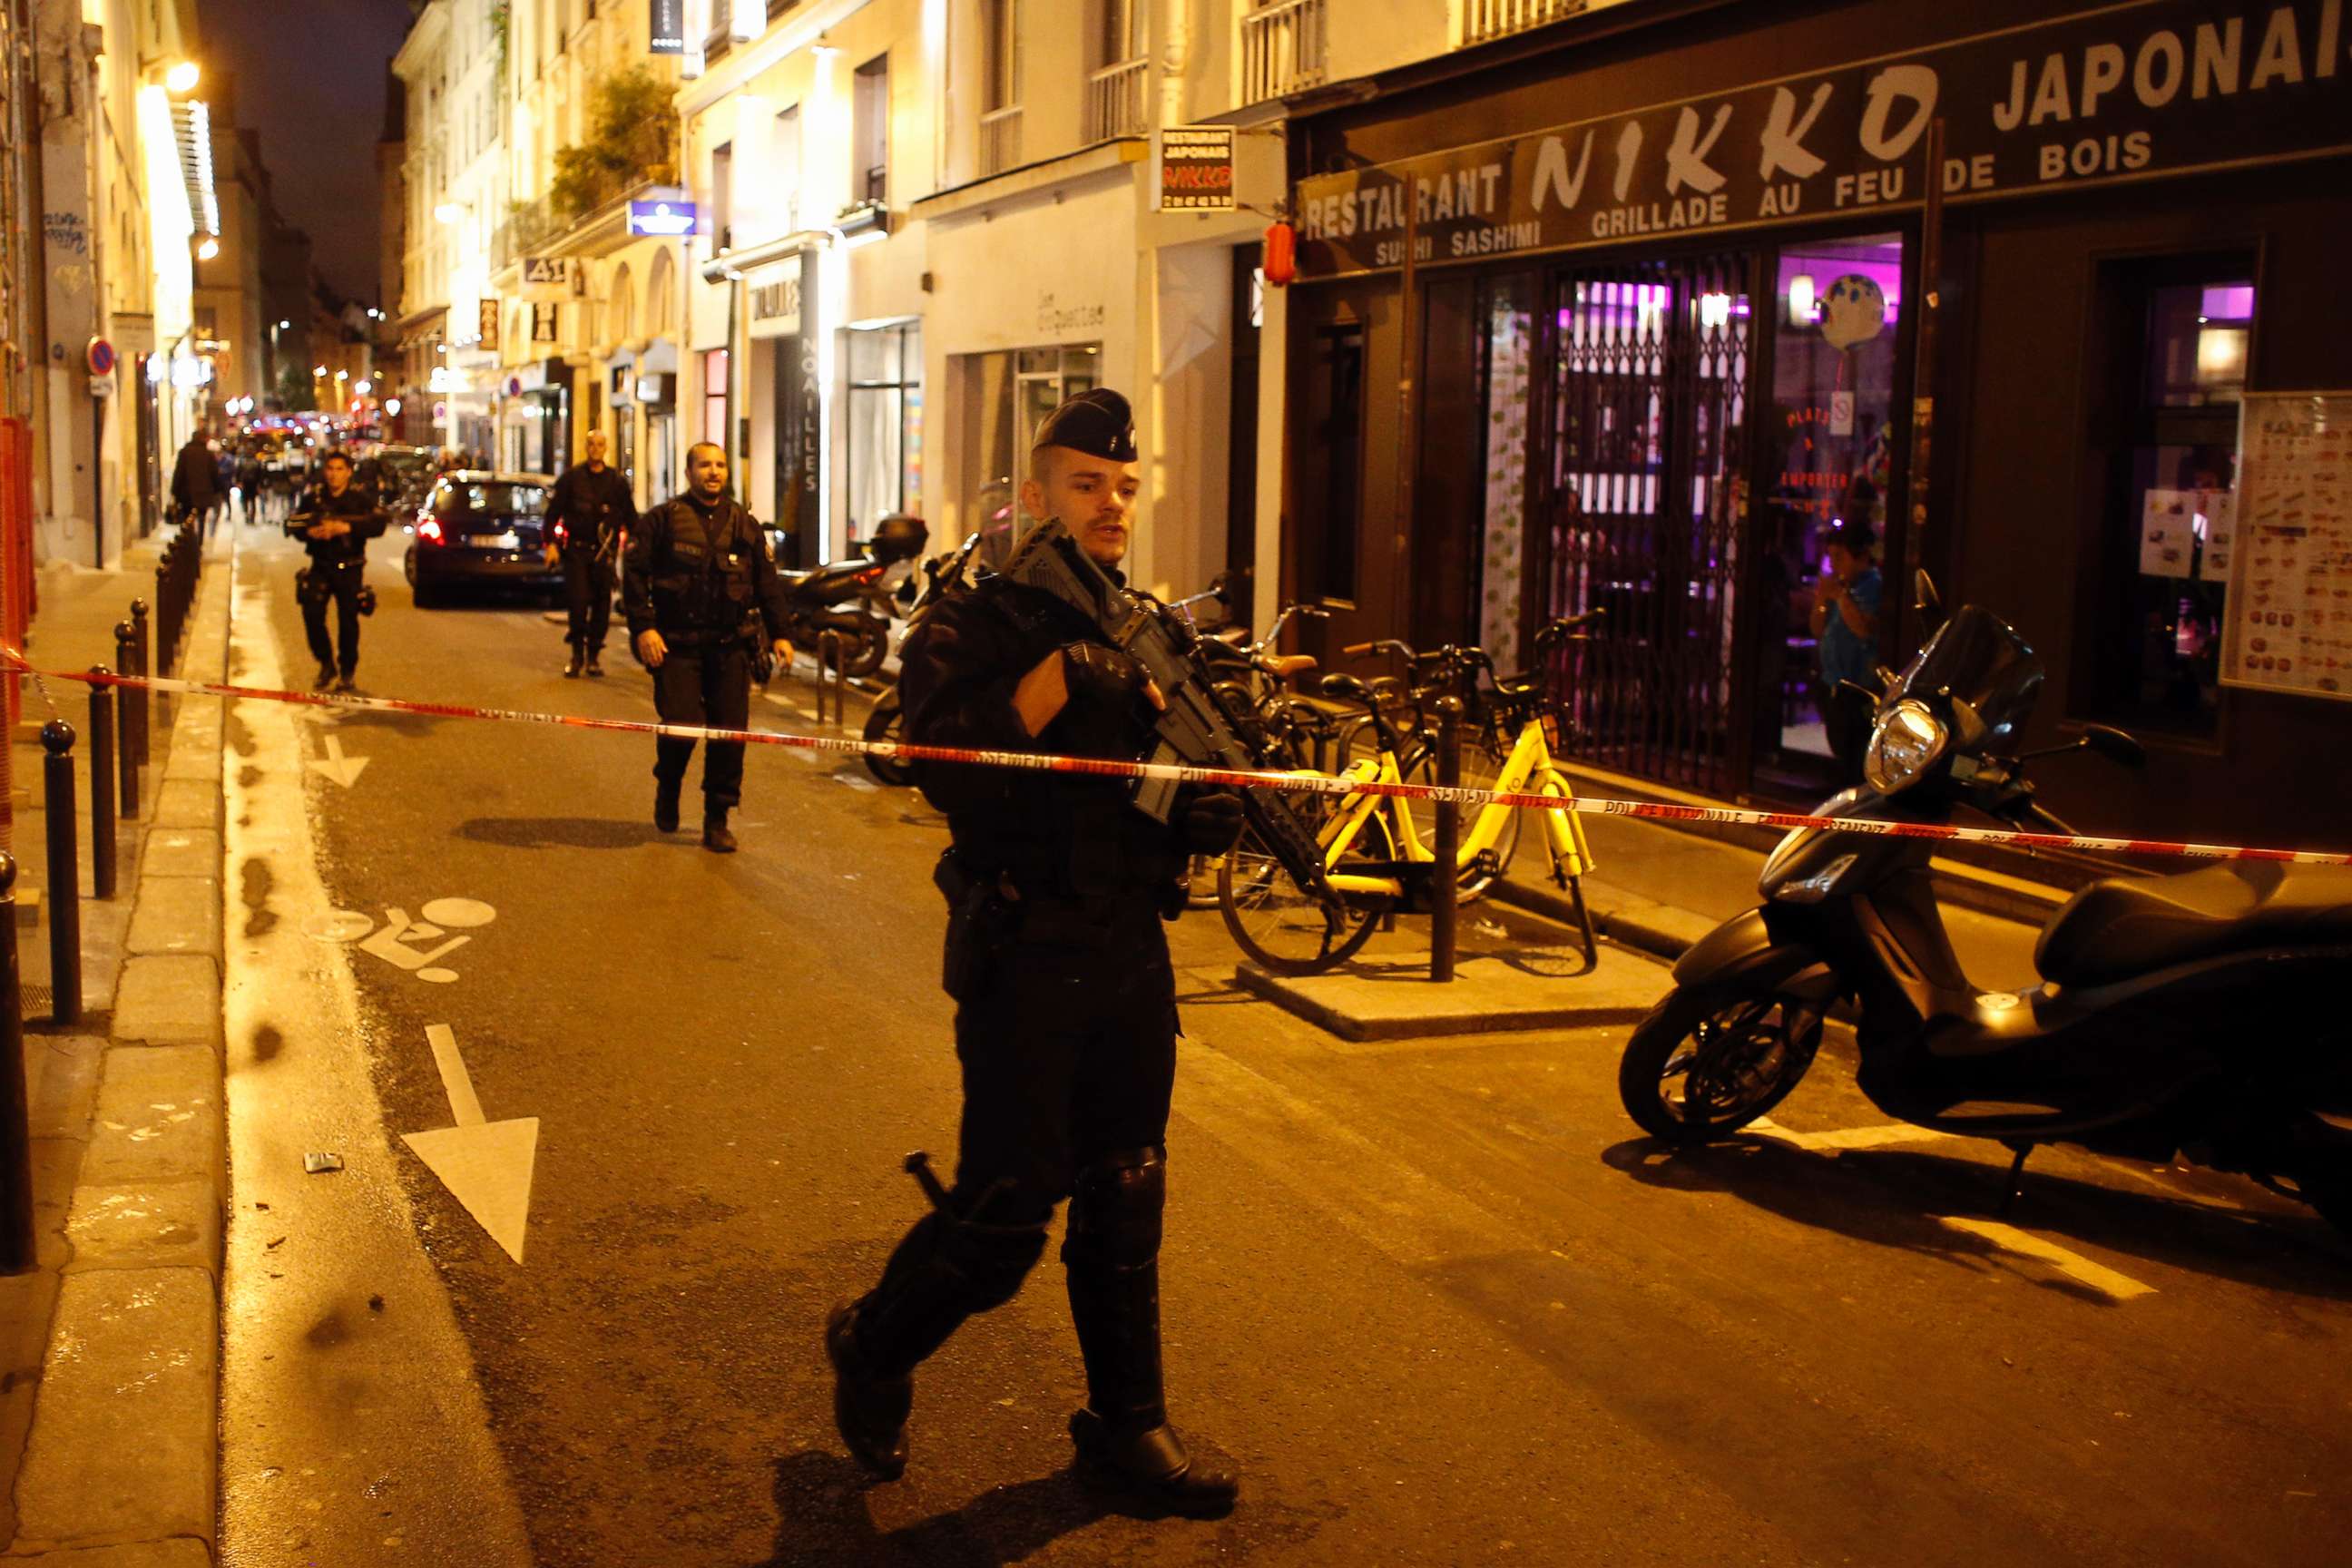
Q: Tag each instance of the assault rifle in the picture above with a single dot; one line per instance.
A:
(1194, 729)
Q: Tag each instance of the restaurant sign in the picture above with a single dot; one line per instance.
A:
(2163, 87)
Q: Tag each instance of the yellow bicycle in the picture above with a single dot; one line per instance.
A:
(1374, 854)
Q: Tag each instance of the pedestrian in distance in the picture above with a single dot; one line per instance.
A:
(585, 518)
(1845, 636)
(196, 483)
(1066, 1014)
(335, 520)
(249, 485)
(703, 602)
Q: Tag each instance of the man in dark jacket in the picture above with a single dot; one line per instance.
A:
(701, 594)
(585, 519)
(334, 522)
(196, 481)
(1065, 1004)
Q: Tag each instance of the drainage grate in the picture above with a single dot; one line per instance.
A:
(39, 999)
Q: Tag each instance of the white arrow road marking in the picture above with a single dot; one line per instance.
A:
(486, 1166)
(337, 768)
(2073, 1265)
(1846, 1138)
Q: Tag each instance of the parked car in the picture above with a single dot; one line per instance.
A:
(480, 529)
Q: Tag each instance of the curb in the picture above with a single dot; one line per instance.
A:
(119, 1462)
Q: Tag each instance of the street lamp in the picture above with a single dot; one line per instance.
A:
(318, 373)
(207, 249)
(181, 77)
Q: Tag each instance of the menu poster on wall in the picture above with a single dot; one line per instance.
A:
(2220, 511)
(2290, 599)
(2168, 532)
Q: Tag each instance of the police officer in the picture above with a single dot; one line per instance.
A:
(1065, 1017)
(701, 593)
(590, 508)
(335, 520)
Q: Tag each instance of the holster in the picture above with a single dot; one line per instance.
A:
(978, 924)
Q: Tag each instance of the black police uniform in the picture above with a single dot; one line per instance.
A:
(700, 574)
(1065, 1030)
(336, 571)
(592, 506)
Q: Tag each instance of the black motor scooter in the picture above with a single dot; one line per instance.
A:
(2202, 1013)
(853, 598)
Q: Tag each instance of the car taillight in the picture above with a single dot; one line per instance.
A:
(560, 533)
(429, 531)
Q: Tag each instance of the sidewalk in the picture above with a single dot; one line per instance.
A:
(109, 1407)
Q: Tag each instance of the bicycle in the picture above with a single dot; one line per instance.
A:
(1374, 852)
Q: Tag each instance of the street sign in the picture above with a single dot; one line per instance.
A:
(546, 278)
(102, 357)
(667, 220)
(542, 323)
(1196, 168)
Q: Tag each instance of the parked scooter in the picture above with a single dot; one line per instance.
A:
(2199, 1014)
(942, 575)
(853, 598)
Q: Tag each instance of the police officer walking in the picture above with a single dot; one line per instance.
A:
(701, 594)
(585, 519)
(1065, 1017)
(335, 522)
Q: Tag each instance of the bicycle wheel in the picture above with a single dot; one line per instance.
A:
(1281, 926)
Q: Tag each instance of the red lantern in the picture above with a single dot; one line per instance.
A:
(1281, 254)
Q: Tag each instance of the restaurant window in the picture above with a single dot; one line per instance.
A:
(2176, 331)
(1335, 421)
(886, 425)
(714, 398)
(1006, 396)
(1835, 307)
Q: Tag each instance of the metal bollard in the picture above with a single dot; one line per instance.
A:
(163, 627)
(128, 755)
(15, 1115)
(1444, 880)
(65, 873)
(101, 787)
(828, 673)
(134, 712)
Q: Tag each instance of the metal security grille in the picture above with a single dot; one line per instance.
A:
(1648, 436)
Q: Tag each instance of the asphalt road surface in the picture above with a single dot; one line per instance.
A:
(1438, 1301)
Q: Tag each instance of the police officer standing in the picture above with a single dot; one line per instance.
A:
(590, 508)
(1066, 1016)
(335, 522)
(701, 594)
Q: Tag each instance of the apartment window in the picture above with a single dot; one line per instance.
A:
(714, 398)
(999, 56)
(1119, 37)
(788, 164)
(870, 132)
(886, 425)
(722, 194)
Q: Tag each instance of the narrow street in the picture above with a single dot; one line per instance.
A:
(1439, 1300)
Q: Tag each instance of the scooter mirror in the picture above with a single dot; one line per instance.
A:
(1924, 597)
(2114, 745)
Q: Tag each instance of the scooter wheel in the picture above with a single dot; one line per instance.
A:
(1705, 1064)
(888, 722)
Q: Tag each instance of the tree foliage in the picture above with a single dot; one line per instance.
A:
(631, 141)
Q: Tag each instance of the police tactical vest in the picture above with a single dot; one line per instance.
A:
(702, 576)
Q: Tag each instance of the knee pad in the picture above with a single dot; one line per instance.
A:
(1115, 1213)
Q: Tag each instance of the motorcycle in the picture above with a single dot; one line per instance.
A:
(2199, 1014)
(853, 598)
(942, 575)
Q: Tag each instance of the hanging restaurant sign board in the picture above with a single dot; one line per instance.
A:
(546, 277)
(487, 325)
(1196, 168)
(665, 24)
(2135, 91)
(2287, 622)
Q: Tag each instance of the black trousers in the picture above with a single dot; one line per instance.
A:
(338, 585)
(588, 583)
(1846, 717)
(1067, 1042)
(711, 684)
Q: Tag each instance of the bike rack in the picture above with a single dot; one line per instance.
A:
(829, 674)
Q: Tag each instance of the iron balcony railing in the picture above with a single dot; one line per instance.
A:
(1115, 101)
(1000, 140)
(1285, 46)
(1485, 19)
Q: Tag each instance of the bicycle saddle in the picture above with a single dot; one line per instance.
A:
(1347, 689)
(1287, 664)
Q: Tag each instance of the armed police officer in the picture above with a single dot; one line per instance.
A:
(334, 522)
(703, 601)
(584, 520)
(1066, 1016)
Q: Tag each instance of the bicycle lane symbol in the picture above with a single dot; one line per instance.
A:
(400, 941)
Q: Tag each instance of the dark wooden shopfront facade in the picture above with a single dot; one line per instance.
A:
(1663, 331)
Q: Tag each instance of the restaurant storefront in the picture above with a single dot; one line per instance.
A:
(1661, 347)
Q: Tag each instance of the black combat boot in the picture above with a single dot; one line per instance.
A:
(1111, 1257)
(715, 836)
(572, 667)
(595, 664)
(869, 1409)
(666, 807)
(326, 677)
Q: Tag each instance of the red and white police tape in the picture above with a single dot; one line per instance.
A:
(1301, 783)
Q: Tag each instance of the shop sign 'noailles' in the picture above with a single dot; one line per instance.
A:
(2134, 91)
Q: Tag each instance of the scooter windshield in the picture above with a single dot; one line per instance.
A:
(1982, 661)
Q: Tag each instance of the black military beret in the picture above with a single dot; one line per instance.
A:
(1098, 423)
